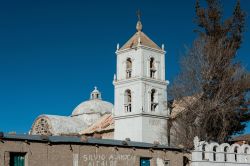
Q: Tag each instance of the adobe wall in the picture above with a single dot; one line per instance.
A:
(44, 154)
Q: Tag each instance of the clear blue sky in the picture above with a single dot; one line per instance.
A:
(53, 52)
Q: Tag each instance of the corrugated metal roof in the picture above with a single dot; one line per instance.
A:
(89, 141)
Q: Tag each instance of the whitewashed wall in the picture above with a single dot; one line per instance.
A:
(214, 154)
(141, 124)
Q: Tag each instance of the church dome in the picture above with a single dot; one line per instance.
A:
(94, 105)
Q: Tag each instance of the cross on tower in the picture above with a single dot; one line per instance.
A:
(138, 13)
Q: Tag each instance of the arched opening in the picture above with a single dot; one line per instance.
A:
(214, 152)
(226, 148)
(153, 100)
(127, 101)
(95, 94)
(186, 161)
(236, 154)
(152, 68)
(41, 127)
(203, 151)
(246, 153)
(128, 68)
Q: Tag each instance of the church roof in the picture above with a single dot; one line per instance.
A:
(57, 125)
(105, 123)
(178, 106)
(139, 37)
(144, 40)
(245, 137)
(82, 117)
(92, 107)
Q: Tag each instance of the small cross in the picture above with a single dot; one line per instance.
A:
(138, 15)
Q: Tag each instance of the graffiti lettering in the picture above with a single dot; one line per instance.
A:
(107, 160)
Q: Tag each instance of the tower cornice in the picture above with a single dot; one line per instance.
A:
(140, 47)
(144, 114)
(146, 79)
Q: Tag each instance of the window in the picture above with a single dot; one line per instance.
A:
(144, 161)
(17, 159)
(127, 101)
(225, 153)
(214, 152)
(152, 68)
(128, 68)
(153, 100)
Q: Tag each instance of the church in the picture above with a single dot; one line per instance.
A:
(133, 131)
(140, 112)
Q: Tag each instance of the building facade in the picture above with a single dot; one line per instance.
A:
(140, 108)
(84, 115)
(140, 111)
(28, 150)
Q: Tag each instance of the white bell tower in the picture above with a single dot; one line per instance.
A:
(140, 110)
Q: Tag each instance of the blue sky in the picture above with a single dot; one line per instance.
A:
(53, 52)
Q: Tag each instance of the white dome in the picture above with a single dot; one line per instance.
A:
(94, 105)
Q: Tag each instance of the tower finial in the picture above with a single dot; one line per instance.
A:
(139, 24)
